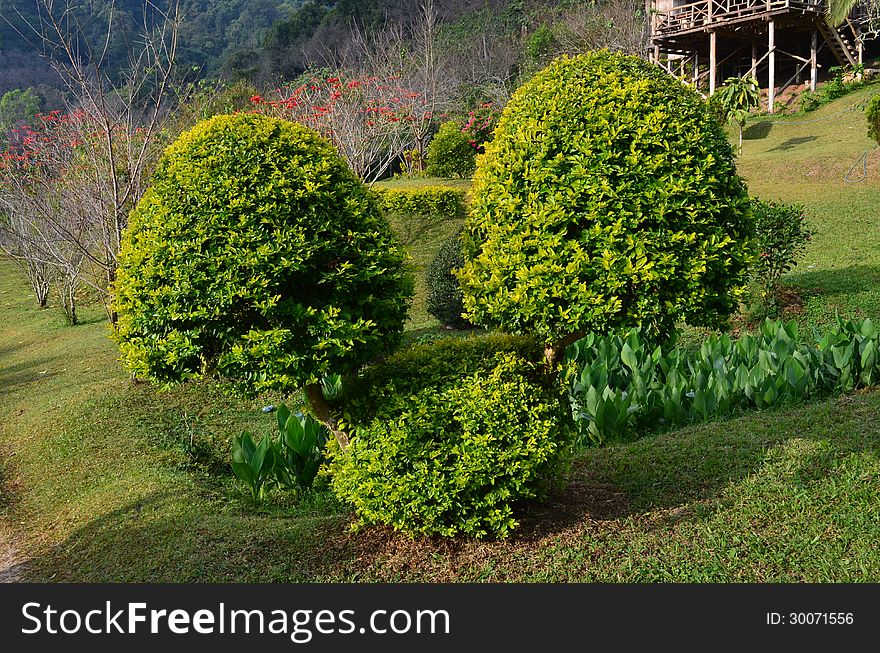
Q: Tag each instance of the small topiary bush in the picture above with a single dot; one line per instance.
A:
(374, 392)
(872, 113)
(454, 458)
(450, 153)
(420, 202)
(607, 199)
(258, 254)
(444, 294)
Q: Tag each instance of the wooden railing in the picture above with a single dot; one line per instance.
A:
(707, 12)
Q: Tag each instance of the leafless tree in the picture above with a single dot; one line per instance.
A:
(620, 25)
(125, 118)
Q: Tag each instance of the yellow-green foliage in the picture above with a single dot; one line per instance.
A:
(872, 113)
(436, 202)
(453, 457)
(451, 152)
(257, 253)
(608, 198)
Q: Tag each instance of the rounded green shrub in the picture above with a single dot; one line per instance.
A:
(872, 113)
(258, 254)
(444, 294)
(607, 199)
(451, 153)
(452, 459)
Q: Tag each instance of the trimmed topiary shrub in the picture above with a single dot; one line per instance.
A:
(374, 390)
(453, 458)
(872, 113)
(607, 199)
(258, 254)
(444, 294)
(420, 202)
(450, 152)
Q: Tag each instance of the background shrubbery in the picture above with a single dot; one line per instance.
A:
(444, 295)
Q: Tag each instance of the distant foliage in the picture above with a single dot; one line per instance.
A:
(454, 458)
(844, 80)
(872, 113)
(620, 386)
(450, 153)
(444, 293)
(258, 254)
(608, 199)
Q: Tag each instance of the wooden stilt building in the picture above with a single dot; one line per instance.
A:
(779, 42)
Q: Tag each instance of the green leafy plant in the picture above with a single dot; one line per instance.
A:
(444, 294)
(736, 99)
(373, 392)
(781, 237)
(453, 458)
(607, 199)
(844, 80)
(622, 386)
(298, 449)
(289, 460)
(257, 255)
(254, 463)
(450, 153)
(872, 114)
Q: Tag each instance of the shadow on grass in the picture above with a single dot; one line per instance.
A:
(792, 143)
(20, 374)
(850, 280)
(757, 131)
(174, 537)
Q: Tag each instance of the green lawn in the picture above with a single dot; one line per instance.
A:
(106, 480)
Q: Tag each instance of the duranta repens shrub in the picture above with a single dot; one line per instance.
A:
(419, 202)
(375, 390)
(872, 113)
(258, 254)
(450, 153)
(444, 294)
(454, 458)
(607, 199)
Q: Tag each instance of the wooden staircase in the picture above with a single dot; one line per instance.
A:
(840, 46)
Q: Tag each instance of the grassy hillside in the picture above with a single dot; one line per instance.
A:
(106, 480)
(808, 159)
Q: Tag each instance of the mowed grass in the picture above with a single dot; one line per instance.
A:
(807, 160)
(104, 480)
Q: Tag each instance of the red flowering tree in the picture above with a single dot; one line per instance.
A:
(371, 120)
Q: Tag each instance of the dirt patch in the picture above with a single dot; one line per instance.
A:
(582, 505)
(11, 560)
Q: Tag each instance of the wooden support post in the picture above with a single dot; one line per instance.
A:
(754, 69)
(696, 68)
(681, 67)
(657, 54)
(814, 50)
(771, 64)
(713, 62)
